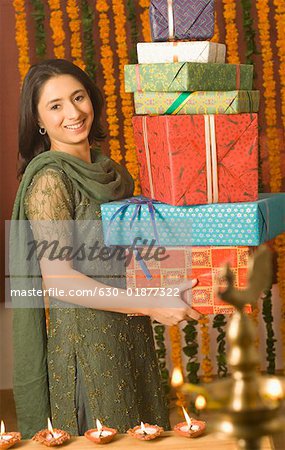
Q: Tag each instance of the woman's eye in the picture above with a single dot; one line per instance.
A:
(55, 106)
(79, 98)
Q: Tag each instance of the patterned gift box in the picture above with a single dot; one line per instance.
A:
(184, 263)
(199, 102)
(181, 19)
(187, 76)
(196, 159)
(167, 52)
(231, 224)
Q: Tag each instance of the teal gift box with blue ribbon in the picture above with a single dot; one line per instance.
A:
(220, 224)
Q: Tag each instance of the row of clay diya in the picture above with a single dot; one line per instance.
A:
(102, 434)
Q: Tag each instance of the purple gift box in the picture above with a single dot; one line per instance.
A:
(181, 19)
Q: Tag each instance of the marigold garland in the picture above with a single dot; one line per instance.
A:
(269, 84)
(72, 10)
(220, 323)
(249, 31)
(159, 337)
(255, 319)
(21, 38)
(176, 357)
(132, 18)
(273, 140)
(280, 248)
(270, 340)
(126, 98)
(229, 14)
(40, 36)
(144, 18)
(280, 241)
(206, 364)
(88, 39)
(249, 37)
(191, 351)
(280, 26)
(56, 25)
(107, 62)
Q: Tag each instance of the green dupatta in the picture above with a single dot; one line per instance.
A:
(101, 180)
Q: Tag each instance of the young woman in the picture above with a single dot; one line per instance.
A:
(98, 360)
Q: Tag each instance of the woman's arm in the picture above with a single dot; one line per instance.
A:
(73, 287)
(50, 210)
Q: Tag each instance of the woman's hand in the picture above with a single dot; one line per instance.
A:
(168, 310)
(174, 309)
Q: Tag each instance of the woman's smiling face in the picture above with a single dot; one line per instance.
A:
(66, 112)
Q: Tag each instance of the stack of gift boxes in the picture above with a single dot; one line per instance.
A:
(196, 135)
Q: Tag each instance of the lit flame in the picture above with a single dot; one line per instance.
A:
(50, 427)
(200, 402)
(99, 425)
(177, 377)
(188, 420)
(143, 427)
(274, 389)
(2, 431)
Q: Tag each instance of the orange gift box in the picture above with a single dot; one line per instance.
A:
(198, 159)
(185, 263)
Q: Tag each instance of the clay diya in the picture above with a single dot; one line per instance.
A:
(145, 432)
(8, 439)
(191, 428)
(51, 436)
(101, 434)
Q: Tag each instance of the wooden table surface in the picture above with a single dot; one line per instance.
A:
(168, 441)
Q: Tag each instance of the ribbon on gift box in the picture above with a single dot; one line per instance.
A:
(178, 104)
(138, 202)
(211, 158)
(170, 13)
(183, 98)
(175, 57)
(138, 78)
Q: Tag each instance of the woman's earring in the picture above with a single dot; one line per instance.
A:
(42, 131)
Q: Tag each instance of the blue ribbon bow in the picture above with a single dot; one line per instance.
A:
(138, 201)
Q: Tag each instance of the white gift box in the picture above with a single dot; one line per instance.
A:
(179, 51)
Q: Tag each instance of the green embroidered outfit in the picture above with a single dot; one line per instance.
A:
(92, 364)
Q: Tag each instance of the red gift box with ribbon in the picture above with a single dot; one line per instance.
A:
(184, 263)
(198, 159)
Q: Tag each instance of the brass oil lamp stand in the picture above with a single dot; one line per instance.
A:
(247, 405)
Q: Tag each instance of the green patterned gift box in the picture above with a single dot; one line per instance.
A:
(198, 102)
(188, 76)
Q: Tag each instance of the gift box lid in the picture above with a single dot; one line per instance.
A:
(225, 224)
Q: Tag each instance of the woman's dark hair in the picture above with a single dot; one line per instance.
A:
(31, 142)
